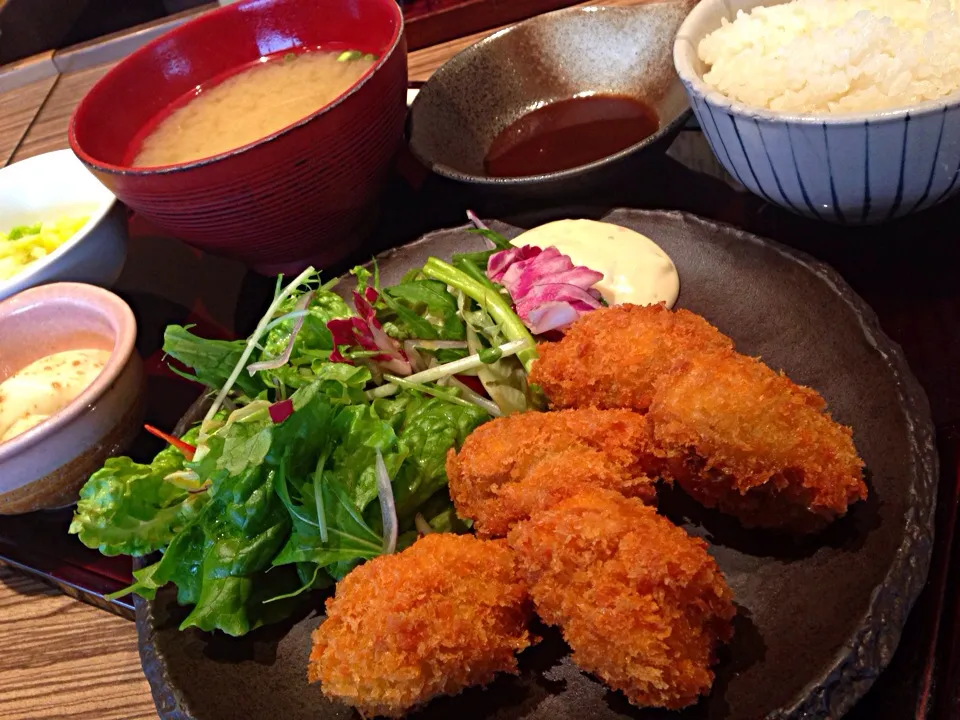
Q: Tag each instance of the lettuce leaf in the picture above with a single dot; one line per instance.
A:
(350, 537)
(327, 466)
(430, 428)
(412, 433)
(424, 310)
(219, 562)
(313, 343)
(131, 509)
(212, 361)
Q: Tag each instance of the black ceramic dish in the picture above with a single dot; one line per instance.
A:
(480, 91)
(817, 619)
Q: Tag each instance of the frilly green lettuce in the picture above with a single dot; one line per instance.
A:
(131, 509)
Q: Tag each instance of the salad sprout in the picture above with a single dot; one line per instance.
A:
(492, 302)
(457, 367)
(252, 343)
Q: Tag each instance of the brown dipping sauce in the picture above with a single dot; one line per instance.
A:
(569, 133)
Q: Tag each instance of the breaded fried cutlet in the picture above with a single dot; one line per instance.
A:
(612, 357)
(448, 612)
(642, 604)
(752, 443)
(733, 433)
(513, 466)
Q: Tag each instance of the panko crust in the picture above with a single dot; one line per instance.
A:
(612, 357)
(747, 440)
(513, 466)
(734, 434)
(641, 603)
(448, 612)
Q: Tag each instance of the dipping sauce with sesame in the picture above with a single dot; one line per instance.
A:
(46, 386)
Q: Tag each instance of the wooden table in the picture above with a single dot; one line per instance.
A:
(63, 659)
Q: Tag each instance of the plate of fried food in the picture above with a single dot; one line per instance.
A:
(641, 465)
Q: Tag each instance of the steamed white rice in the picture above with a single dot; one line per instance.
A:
(831, 56)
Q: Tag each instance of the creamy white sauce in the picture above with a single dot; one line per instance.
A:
(635, 269)
(45, 386)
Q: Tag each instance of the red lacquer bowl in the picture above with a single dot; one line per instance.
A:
(306, 194)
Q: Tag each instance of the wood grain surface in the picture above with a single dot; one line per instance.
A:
(60, 658)
(430, 22)
(18, 109)
(49, 128)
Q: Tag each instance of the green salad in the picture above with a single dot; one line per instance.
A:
(324, 444)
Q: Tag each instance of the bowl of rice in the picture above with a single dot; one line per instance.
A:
(845, 111)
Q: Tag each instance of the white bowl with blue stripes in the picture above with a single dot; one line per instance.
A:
(851, 168)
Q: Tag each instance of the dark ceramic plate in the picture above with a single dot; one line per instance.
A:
(818, 620)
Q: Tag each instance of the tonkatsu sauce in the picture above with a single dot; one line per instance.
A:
(569, 133)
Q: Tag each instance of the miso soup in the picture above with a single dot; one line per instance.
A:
(248, 106)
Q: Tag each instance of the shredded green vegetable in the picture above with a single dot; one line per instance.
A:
(494, 303)
(25, 244)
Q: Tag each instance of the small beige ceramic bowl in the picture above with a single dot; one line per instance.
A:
(46, 466)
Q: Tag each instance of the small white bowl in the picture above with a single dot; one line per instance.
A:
(850, 168)
(56, 185)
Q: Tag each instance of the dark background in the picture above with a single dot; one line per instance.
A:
(28, 27)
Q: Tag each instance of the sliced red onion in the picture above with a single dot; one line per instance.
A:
(416, 361)
(388, 508)
(283, 357)
(423, 527)
(549, 316)
(477, 222)
(491, 408)
(499, 262)
(395, 362)
(549, 292)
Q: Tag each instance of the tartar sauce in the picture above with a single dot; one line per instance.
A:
(44, 387)
(635, 269)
